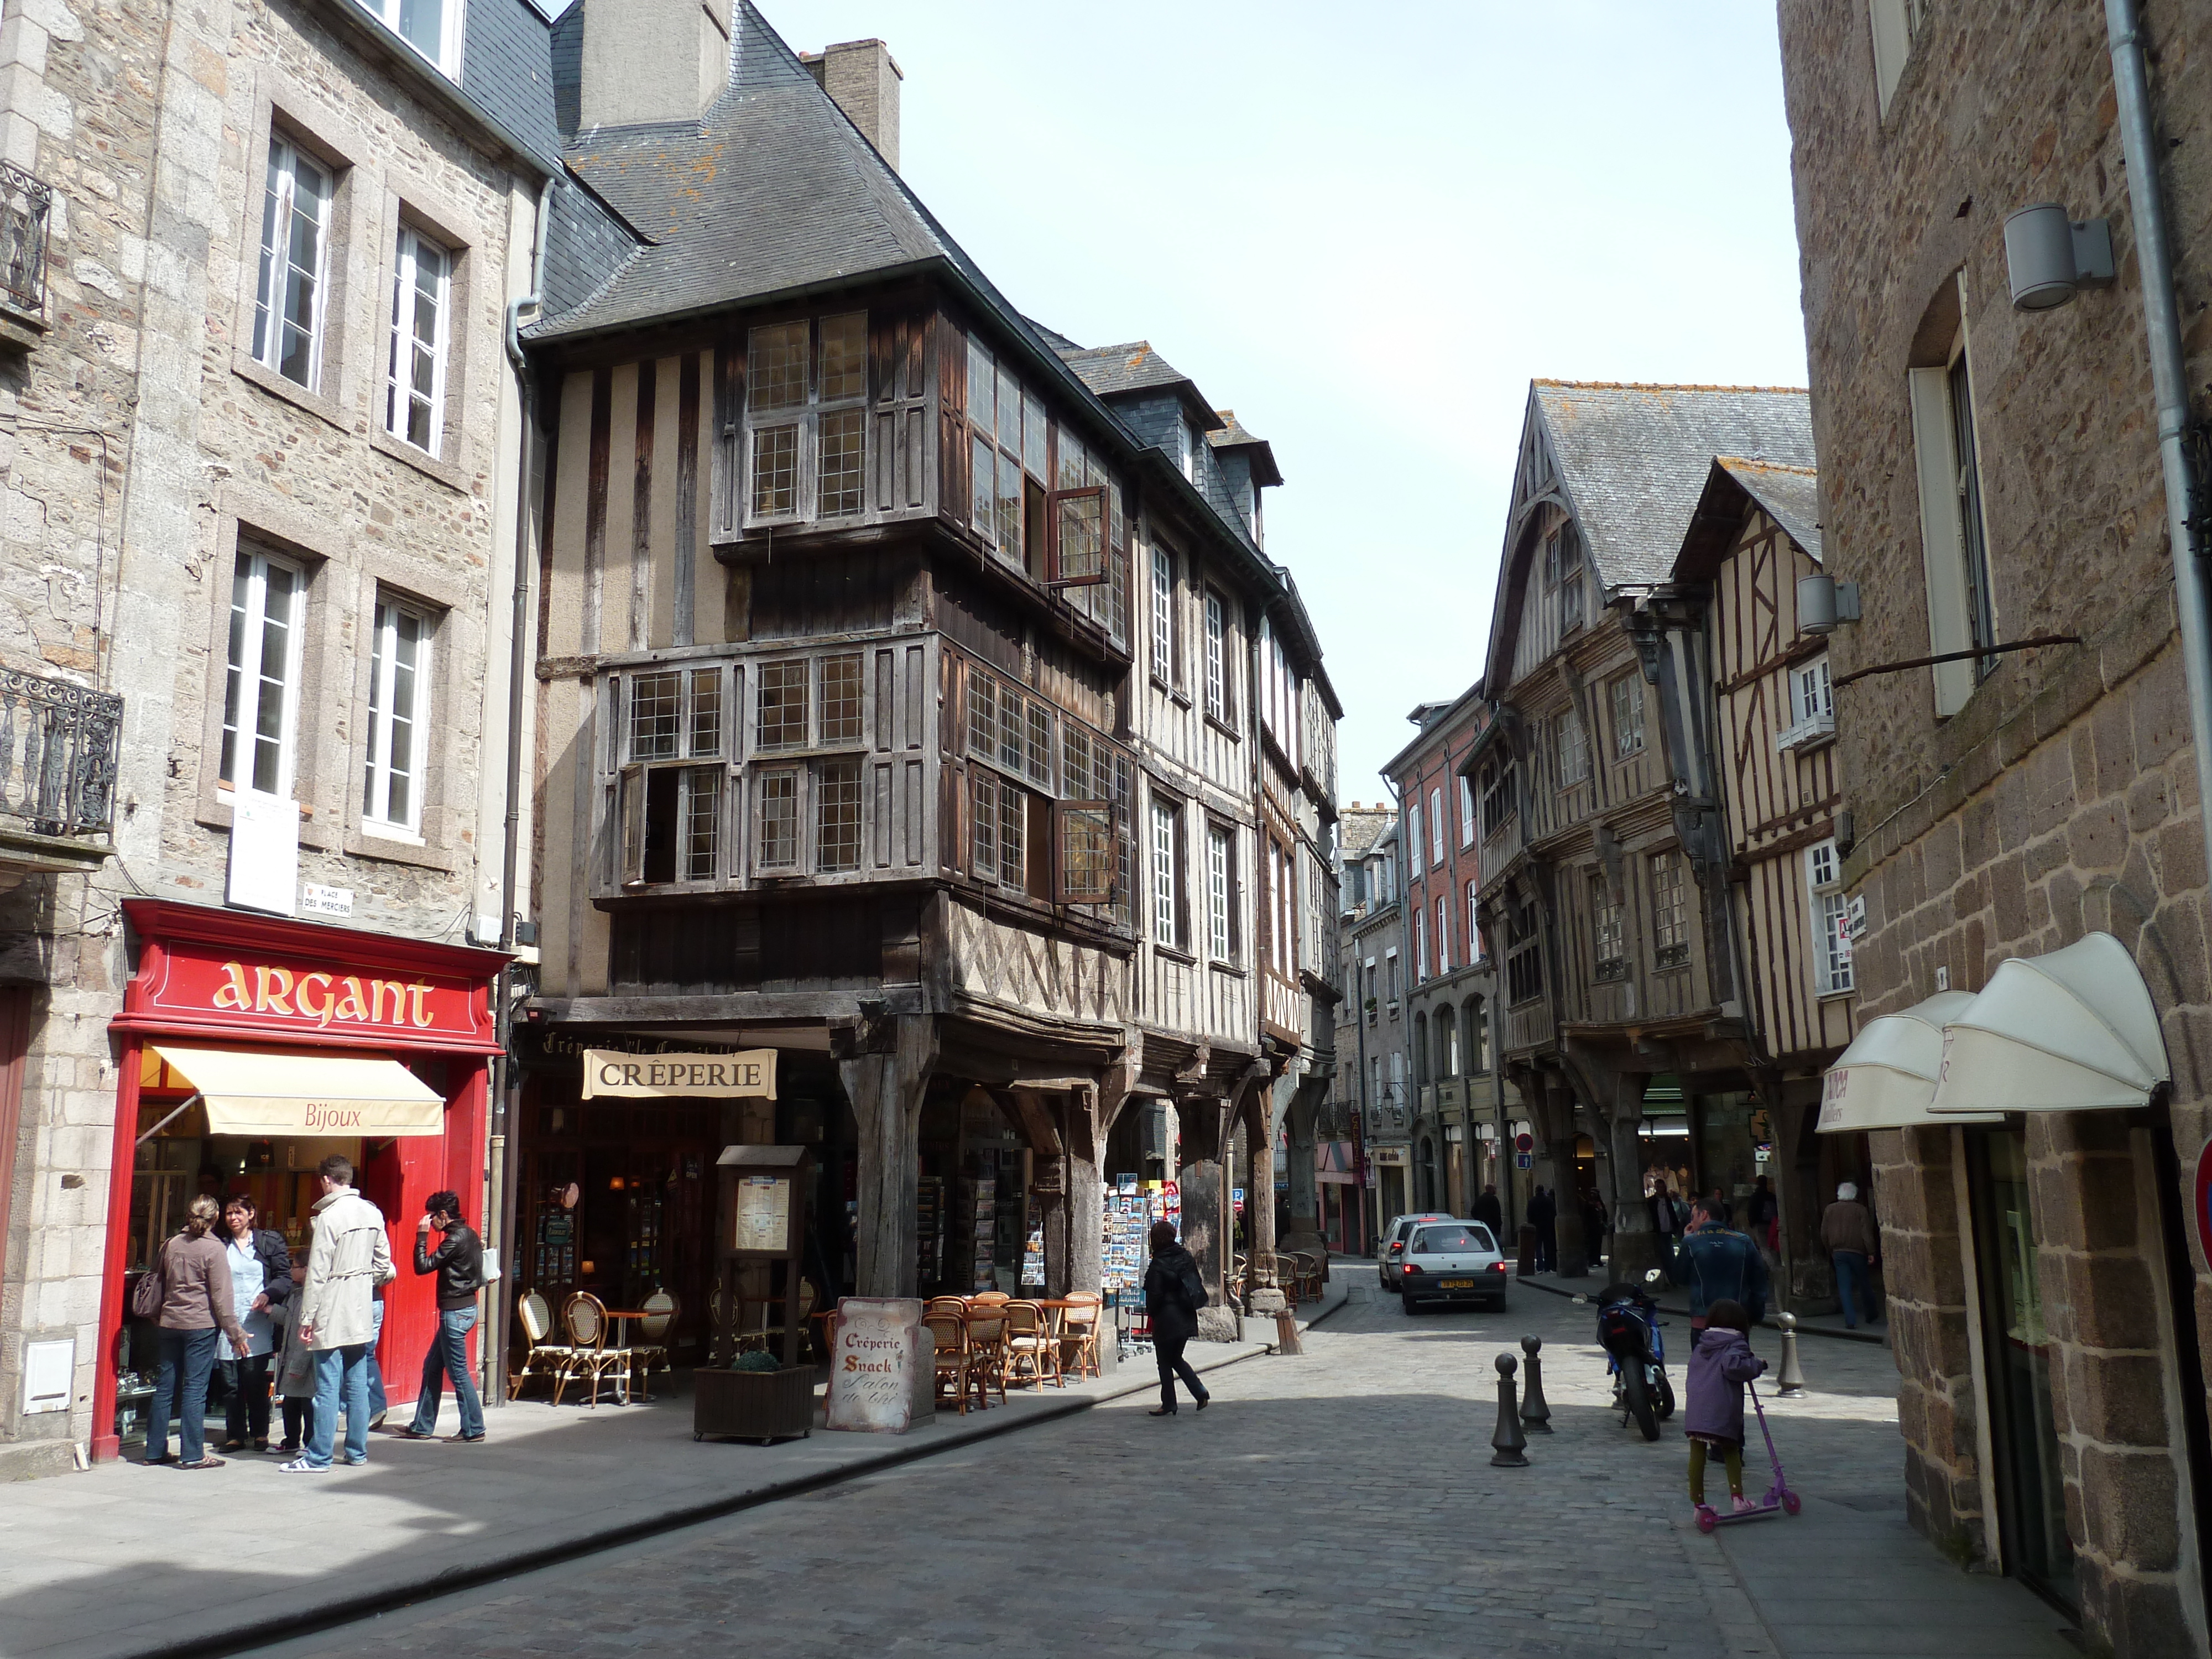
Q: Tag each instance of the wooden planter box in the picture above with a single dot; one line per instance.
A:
(762, 1405)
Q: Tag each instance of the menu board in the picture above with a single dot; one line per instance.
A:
(763, 1214)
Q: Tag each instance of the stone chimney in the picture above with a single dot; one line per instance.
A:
(648, 61)
(864, 78)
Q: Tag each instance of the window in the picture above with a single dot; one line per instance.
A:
(1282, 910)
(1831, 940)
(1220, 939)
(1570, 603)
(778, 836)
(1001, 831)
(1955, 552)
(1420, 945)
(1571, 745)
(805, 413)
(399, 688)
(780, 720)
(1609, 936)
(429, 26)
(836, 815)
(840, 699)
(1563, 574)
(1475, 949)
(415, 380)
(1166, 829)
(268, 600)
(1444, 936)
(295, 223)
(1524, 962)
(1435, 824)
(1465, 811)
(1812, 708)
(1186, 451)
(1163, 616)
(671, 802)
(1671, 918)
(1627, 717)
(1217, 657)
(1896, 25)
(1478, 1037)
(1497, 795)
(1412, 837)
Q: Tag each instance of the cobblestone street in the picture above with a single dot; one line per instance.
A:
(1342, 1503)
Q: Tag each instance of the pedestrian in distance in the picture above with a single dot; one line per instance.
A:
(350, 1256)
(1597, 1224)
(1544, 1216)
(295, 1372)
(1712, 1416)
(1173, 1295)
(458, 1263)
(197, 1308)
(1763, 1220)
(1490, 1212)
(1666, 1215)
(261, 1279)
(1717, 1264)
(1854, 1246)
(1722, 1207)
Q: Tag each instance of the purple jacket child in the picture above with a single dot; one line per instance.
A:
(1719, 1367)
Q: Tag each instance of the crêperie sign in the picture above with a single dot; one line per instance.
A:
(749, 1074)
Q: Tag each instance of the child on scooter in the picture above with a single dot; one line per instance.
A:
(1719, 1367)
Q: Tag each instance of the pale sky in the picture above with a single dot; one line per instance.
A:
(1365, 228)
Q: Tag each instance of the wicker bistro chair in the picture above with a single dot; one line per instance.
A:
(541, 1358)
(649, 1348)
(586, 1317)
(1310, 1276)
(950, 1306)
(1078, 1334)
(1032, 1350)
(989, 1297)
(1286, 1279)
(987, 1349)
(956, 1373)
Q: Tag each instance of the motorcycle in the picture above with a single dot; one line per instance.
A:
(1636, 1356)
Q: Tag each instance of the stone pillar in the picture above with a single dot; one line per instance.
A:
(1636, 1249)
(885, 1065)
(1260, 1173)
(1299, 1114)
(1201, 1176)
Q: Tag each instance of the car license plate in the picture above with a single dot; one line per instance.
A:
(1459, 1284)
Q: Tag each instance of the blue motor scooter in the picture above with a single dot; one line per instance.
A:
(1636, 1355)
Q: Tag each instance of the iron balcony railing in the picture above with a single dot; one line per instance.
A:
(59, 744)
(26, 206)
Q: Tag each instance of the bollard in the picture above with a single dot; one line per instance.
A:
(1286, 1333)
(1790, 1382)
(1535, 1410)
(1510, 1445)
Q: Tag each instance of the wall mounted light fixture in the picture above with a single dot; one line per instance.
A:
(2050, 258)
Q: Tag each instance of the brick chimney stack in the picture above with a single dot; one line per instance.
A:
(863, 78)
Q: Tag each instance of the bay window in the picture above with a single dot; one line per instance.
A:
(806, 391)
(672, 774)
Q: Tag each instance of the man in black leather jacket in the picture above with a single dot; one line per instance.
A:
(1173, 1295)
(458, 1263)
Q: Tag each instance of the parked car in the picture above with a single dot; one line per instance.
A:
(1451, 1261)
(1393, 1244)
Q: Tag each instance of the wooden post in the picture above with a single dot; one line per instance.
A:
(1255, 1104)
(1073, 1254)
(1201, 1176)
(884, 1064)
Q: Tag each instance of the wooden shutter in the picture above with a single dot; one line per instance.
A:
(1076, 534)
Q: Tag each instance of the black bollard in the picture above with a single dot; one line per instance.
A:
(1535, 1410)
(1511, 1446)
(1791, 1381)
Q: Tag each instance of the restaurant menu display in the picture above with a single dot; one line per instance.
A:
(763, 1213)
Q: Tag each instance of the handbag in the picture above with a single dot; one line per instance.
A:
(152, 1289)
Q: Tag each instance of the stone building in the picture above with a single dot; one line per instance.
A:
(1380, 1088)
(1461, 1129)
(1991, 482)
(906, 677)
(261, 441)
(1344, 1171)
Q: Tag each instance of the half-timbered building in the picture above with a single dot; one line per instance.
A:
(1602, 876)
(853, 737)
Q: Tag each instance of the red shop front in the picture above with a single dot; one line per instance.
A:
(250, 1048)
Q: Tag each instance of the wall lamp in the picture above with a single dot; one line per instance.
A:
(2050, 258)
(1822, 602)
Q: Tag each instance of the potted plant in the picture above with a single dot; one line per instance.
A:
(756, 1398)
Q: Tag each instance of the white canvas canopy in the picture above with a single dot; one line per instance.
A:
(1886, 1078)
(263, 1094)
(2071, 1031)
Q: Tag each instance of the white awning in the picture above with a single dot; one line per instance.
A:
(250, 1092)
(1887, 1076)
(2067, 1032)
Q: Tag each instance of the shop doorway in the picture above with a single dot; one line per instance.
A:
(2018, 1359)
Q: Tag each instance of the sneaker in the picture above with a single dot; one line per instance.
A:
(1744, 1506)
(301, 1466)
(355, 1463)
(284, 1449)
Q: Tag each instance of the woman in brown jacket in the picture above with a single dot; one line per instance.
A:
(195, 1304)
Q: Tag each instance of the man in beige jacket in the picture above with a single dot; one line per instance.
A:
(351, 1255)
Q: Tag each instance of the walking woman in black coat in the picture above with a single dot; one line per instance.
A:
(1173, 1295)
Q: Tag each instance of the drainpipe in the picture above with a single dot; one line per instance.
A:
(2169, 381)
(504, 1186)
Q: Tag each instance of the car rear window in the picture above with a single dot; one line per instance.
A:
(1469, 1236)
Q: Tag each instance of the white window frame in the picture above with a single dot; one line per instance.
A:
(1627, 715)
(1220, 938)
(1832, 974)
(1812, 707)
(1465, 811)
(1435, 824)
(377, 818)
(1474, 921)
(272, 301)
(1186, 448)
(399, 393)
(1217, 657)
(1421, 944)
(1896, 25)
(1164, 909)
(1414, 832)
(248, 668)
(1163, 616)
(1443, 935)
(1954, 617)
(450, 35)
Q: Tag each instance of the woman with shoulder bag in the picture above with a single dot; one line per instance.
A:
(196, 1306)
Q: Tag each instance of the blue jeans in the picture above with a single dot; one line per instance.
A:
(378, 1405)
(449, 1357)
(340, 1373)
(1850, 1285)
(187, 1358)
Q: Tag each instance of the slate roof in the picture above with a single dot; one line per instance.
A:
(1634, 458)
(506, 69)
(1234, 435)
(1790, 494)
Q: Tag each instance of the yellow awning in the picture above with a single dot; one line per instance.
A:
(1887, 1076)
(2068, 1032)
(253, 1093)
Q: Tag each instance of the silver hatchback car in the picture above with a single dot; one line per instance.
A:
(1391, 1248)
(1451, 1261)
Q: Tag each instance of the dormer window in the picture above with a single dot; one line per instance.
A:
(433, 27)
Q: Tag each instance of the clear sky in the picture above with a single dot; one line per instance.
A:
(1365, 228)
